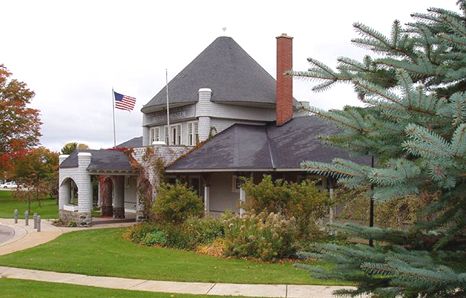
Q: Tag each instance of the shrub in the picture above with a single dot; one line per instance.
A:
(264, 236)
(188, 235)
(205, 230)
(214, 249)
(155, 237)
(303, 201)
(176, 202)
(137, 233)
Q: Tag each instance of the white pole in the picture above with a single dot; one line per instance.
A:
(168, 105)
(113, 110)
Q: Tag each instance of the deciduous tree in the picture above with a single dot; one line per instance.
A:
(37, 173)
(19, 123)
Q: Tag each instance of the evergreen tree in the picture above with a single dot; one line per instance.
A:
(414, 124)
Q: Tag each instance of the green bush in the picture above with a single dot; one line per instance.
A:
(264, 236)
(205, 230)
(175, 203)
(155, 237)
(303, 201)
(137, 233)
(188, 235)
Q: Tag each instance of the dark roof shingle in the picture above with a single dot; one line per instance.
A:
(132, 143)
(101, 160)
(249, 147)
(227, 69)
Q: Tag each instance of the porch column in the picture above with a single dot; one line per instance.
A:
(64, 194)
(119, 197)
(207, 199)
(242, 200)
(83, 181)
(63, 187)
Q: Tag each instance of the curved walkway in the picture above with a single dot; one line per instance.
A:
(6, 233)
(26, 237)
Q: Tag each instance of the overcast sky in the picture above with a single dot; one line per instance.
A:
(71, 53)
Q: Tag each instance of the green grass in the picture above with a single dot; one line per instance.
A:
(8, 204)
(105, 253)
(15, 288)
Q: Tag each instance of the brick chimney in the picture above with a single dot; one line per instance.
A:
(284, 87)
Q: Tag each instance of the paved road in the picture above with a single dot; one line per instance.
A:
(6, 233)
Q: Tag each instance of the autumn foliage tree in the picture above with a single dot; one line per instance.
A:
(37, 173)
(19, 124)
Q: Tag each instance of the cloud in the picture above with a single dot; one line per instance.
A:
(71, 53)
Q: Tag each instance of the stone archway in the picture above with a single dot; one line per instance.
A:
(106, 193)
(68, 191)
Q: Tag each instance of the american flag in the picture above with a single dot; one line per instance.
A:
(124, 102)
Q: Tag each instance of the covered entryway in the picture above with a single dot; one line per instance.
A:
(116, 186)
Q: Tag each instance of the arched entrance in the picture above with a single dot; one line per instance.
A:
(106, 193)
(69, 193)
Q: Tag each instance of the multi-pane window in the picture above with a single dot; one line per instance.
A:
(193, 134)
(173, 135)
(155, 135)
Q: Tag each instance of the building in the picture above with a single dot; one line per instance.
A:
(227, 118)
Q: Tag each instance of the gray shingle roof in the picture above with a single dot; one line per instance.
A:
(249, 147)
(101, 160)
(233, 76)
(133, 143)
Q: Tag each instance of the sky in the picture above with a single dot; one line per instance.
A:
(72, 53)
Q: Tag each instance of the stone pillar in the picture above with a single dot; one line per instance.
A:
(83, 181)
(139, 207)
(242, 200)
(207, 200)
(119, 197)
(106, 191)
(203, 111)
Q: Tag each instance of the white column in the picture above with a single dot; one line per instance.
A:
(203, 113)
(206, 200)
(63, 188)
(242, 200)
(83, 181)
(63, 194)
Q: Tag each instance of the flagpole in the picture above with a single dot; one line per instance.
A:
(113, 110)
(168, 106)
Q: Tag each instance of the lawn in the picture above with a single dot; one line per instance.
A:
(105, 253)
(8, 204)
(15, 288)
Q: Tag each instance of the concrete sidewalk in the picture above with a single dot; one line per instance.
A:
(26, 237)
(222, 289)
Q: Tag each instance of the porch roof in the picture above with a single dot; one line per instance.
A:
(264, 148)
(102, 161)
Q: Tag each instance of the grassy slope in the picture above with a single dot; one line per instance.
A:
(105, 253)
(8, 204)
(15, 288)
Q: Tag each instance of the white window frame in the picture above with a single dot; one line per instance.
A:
(178, 137)
(166, 134)
(153, 135)
(193, 133)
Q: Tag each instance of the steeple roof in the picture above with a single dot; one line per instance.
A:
(233, 75)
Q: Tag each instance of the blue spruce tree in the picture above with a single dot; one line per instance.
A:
(414, 124)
